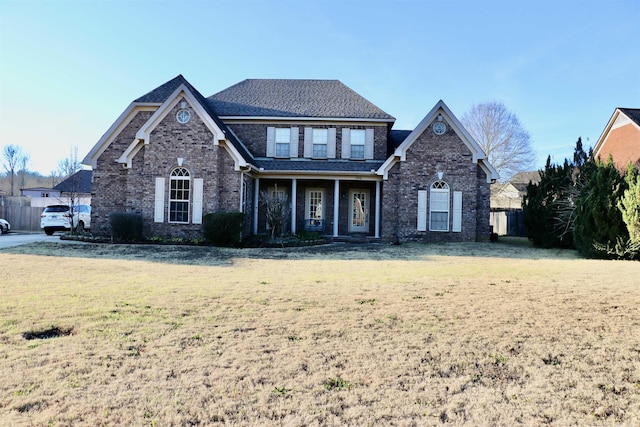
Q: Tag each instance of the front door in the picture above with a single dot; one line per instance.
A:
(359, 211)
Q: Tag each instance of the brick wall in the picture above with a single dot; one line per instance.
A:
(429, 155)
(109, 186)
(254, 136)
(118, 189)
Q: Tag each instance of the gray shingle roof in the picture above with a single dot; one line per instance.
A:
(632, 113)
(79, 182)
(294, 98)
(396, 137)
(161, 93)
(521, 179)
(318, 165)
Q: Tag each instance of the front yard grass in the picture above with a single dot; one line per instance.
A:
(477, 334)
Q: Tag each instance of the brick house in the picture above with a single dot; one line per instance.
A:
(174, 155)
(620, 138)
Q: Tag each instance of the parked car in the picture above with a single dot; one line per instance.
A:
(5, 227)
(58, 218)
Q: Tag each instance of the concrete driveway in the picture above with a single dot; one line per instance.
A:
(21, 238)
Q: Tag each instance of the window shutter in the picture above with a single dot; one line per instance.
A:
(293, 143)
(198, 185)
(368, 144)
(457, 212)
(308, 142)
(331, 143)
(158, 213)
(271, 142)
(346, 143)
(422, 210)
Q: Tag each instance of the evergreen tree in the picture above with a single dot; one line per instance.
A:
(629, 206)
(598, 222)
(540, 206)
(549, 206)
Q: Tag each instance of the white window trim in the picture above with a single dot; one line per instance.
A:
(316, 139)
(272, 143)
(309, 143)
(307, 203)
(281, 142)
(369, 136)
(432, 192)
(188, 201)
(354, 144)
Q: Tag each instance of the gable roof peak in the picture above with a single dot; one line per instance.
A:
(162, 92)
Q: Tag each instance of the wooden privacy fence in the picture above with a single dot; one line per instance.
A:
(508, 223)
(23, 218)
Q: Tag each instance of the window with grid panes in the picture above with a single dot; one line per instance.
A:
(439, 207)
(283, 142)
(179, 195)
(358, 138)
(320, 139)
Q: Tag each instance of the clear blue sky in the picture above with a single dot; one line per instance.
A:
(69, 68)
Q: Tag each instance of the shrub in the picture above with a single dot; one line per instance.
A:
(126, 227)
(223, 228)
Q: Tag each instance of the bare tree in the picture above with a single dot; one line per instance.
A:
(504, 140)
(277, 211)
(69, 168)
(12, 157)
(24, 162)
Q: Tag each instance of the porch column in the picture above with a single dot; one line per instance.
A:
(336, 205)
(294, 191)
(377, 220)
(242, 201)
(256, 193)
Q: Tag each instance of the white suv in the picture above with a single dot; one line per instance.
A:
(58, 218)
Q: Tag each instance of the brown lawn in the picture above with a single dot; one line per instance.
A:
(409, 335)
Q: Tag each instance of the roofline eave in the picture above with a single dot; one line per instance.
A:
(305, 119)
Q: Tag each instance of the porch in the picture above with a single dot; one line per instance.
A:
(343, 208)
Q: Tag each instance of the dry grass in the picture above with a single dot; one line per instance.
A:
(407, 335)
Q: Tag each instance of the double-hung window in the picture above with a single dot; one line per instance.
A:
(179, 195)
(320, 140)
(283, 142)
(439, 207)
(358, 137)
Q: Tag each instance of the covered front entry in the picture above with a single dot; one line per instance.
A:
(333, 207)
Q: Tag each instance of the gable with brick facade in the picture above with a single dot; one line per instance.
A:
(620, 138)
(174, 155)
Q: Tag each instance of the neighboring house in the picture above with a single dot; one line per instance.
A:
(76, 188)
(620, 138)
(506, 203)
(173, 156)
(41, 197)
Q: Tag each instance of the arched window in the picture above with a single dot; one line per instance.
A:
(179, 195)
(439, 207)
